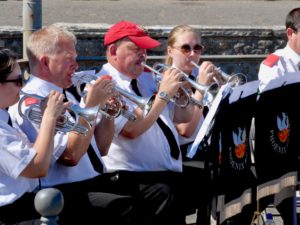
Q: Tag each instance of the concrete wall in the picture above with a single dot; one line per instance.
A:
(234, 49)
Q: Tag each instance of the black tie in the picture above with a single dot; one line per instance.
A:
(96, 162)
(205, 111)
(175, 152)
(135, 87)
(9, 121)
(65, 96)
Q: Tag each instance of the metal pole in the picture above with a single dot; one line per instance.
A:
(32, 20)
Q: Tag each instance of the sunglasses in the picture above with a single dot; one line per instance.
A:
(187, 49)
(19, 81)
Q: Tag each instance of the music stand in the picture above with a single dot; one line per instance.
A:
(232, 106)
(204, 132)
(276, 141)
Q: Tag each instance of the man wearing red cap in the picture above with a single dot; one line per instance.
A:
(144, 153)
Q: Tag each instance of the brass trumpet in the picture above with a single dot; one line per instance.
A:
(115, 106)
(64, 123)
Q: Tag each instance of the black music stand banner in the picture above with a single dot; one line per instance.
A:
(277, 139)
(230, 153)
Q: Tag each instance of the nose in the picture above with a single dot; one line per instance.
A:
(192, 52)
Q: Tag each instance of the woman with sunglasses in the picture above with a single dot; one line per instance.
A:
(22, 162)
(184, 50)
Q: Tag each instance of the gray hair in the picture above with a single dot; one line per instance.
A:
(46, 41)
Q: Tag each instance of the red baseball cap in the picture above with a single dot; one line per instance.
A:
(131, 30)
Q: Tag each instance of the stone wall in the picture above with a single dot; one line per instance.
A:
(233, 49)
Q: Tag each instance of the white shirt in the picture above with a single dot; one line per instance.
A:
(58, 173)
(148, 152)
(16, 153)
(289, 61)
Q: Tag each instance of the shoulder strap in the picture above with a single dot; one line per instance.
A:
(271, 60)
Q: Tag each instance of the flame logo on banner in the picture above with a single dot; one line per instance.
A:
(282, 125)
(279, 137)
(238, 150)
(239, 140)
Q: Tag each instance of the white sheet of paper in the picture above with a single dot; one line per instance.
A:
(288, 78)
(209, 119)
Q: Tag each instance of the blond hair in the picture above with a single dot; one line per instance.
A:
(175, 32)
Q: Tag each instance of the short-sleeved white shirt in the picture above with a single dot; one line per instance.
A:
(58, 173)
(148, 152)
(16, 152)
(289, 61)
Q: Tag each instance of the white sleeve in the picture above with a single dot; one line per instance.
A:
(16, 152)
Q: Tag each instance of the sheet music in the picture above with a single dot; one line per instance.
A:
(243, 91)
(288, 78)
(209, 119)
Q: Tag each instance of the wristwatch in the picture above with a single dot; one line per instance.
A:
(164, 96)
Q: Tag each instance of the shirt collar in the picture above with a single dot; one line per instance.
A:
(40, 86)
(118, 75)
(4, 115)
(292, 55)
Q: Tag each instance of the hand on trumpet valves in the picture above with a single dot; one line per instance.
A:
(171, 81)
(55, 106)
(208, 74)
(100, 91)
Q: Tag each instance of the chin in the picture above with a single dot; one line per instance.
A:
(16, 100)
(67, 84)
(138, 71)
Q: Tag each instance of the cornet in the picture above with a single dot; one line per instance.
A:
(208, 92)
(235, 79)
(116, 105)
(64, 123)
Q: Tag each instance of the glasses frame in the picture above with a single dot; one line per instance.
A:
(19, 81)
(186, 49)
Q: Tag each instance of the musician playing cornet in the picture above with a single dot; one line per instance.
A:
(144, 154)
(183, 49)
(52, 59)
(22, 162)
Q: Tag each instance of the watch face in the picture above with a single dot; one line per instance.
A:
(162, 94)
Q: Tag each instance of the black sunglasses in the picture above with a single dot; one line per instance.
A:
(19, 81)
(186, 49)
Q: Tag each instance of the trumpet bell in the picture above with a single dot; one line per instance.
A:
(237, 79)
(115, 105)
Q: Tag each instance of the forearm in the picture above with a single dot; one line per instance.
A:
(104, 133)
(43, 145)
(142, 124)
(77, 146)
